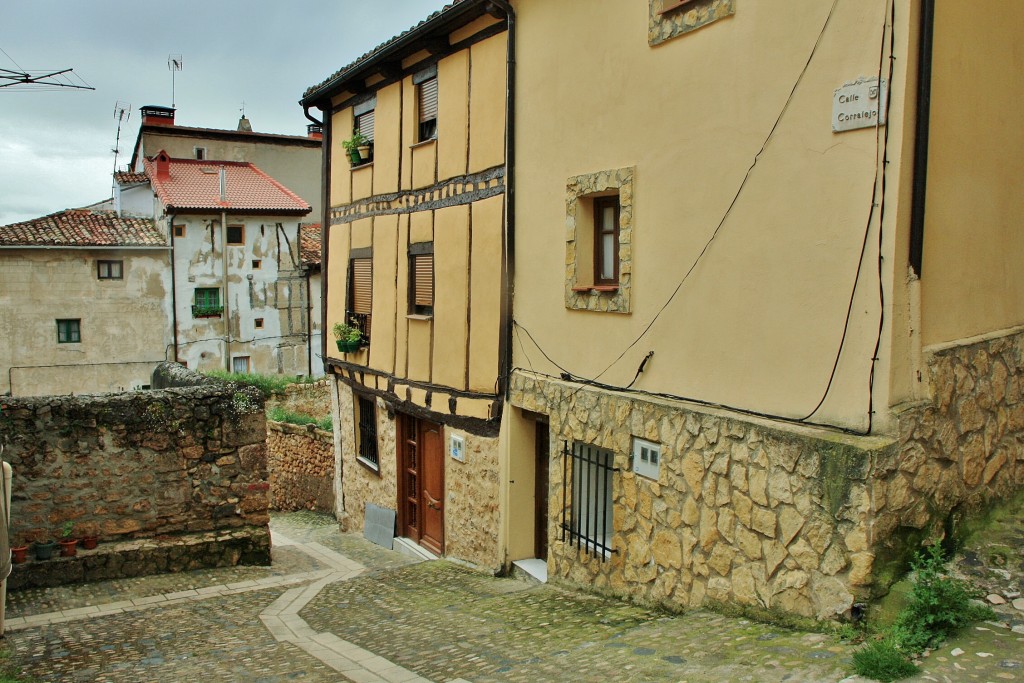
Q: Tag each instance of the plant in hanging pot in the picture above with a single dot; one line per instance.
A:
(358, 147)
(68, 545)
(349, 337)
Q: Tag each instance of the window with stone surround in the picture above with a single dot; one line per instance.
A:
(671, 18)
(366, 432)
(599, 256)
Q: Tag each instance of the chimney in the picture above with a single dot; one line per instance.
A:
(153, 115)
(315, 131)
(163, 165)
(244, 125)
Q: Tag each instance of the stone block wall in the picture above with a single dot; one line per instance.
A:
(307, 399)
(145, 464)
(360, 484)
(778, 516)
(300, 463)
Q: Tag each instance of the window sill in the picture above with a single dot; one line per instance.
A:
(419, 316)
(596, 288)
(423, 143)
(365, 164)
(368, 465)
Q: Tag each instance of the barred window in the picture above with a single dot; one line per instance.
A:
(366, 419)
(587, 483)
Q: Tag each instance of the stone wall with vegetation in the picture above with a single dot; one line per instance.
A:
(189, 459)
(312, 399)
(300, 463)
(782, 517)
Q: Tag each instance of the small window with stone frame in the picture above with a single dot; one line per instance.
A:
(366, 432)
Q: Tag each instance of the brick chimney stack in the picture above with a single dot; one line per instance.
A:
(315, 132)
(153, 115)
(163, 166)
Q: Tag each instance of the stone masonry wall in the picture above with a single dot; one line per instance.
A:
(359, 484)
(307, 399)
(782, 517)
(300, 462)
(144, 464)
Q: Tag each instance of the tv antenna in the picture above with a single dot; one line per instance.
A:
(122, 112)
(43, 79)
(174, 63)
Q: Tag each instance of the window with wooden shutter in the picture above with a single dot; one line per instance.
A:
(360, 292)
(426, 95)
(606, 240)
(421, 278)
(364, 125)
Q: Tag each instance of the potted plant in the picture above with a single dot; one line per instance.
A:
(349, 337)
(358, 148)
(68, 545)
(19, 553)
(43, 550)
(90, 541)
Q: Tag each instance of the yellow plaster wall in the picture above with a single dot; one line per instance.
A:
(402, 298)
(485, 288)
(452, 115)
(385, 246)
(362, 237)
(519, 432)
(387, 138)
(758, 323)
(972, 279)
(424, 164)
(451, 286)
(338, 243)
(362, 181)
(341, 174)
(409, 126)
(487, 102)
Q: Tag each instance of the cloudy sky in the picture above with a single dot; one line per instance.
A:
(55, 145)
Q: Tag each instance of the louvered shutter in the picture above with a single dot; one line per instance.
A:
(361, 298)
(364, 124)
(423, 280)
(428, 100)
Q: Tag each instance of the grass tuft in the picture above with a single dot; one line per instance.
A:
(282, 415)
(267, 384)
(882, 661)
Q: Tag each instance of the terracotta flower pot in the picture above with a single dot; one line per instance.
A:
(90, 542)
(69, 547)
(19, 554)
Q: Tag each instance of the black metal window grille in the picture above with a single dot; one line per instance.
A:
(587, 507)
(367, 430)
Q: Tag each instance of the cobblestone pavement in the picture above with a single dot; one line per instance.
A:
(335, 608)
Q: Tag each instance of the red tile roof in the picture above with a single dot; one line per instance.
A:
(83, 228)
(193, 185)
(129, 178)
(309, 243)
(345, 71)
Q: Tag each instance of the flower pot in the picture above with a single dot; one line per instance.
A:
(90, 542)
(364, 153)
(44, 549)
(348, 346)
(353, 156)
(19, 554)
(68, 547)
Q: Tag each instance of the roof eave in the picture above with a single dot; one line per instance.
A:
(446, 20)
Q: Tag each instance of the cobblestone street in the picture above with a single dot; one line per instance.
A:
(335, 607)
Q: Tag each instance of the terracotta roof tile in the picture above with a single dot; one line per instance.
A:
(309, 243)
(380, 48)
(129, 178)
(83, 228)
(190, 184)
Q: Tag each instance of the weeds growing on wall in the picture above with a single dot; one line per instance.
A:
(282, 415)
(267, 384)
(938, 606)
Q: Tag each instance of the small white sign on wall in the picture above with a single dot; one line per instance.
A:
(859, 104)
(457, 447)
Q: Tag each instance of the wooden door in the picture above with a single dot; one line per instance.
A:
(540, 493)
(421, 482)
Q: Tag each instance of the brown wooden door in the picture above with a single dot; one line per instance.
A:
(540, 494)
(421, 482)
(432, 486)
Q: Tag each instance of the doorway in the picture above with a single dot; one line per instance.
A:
(540, 491)
(421, 482)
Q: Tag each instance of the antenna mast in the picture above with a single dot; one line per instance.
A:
(122, 112)
(174, 63)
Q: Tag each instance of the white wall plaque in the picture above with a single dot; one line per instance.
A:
(457, 445)
(859, 104)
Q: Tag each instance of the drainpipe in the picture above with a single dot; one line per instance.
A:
(174, 290)
(309, 319)
(509, 247)
(227, 299)
(921, 134)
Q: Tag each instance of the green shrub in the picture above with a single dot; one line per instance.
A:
(882, 661)
(267, 384)
(282, 415)
(937, 607)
